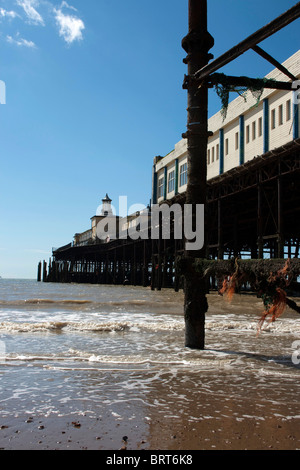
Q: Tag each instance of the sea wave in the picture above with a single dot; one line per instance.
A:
(24, 302)
(54, 326)
(138, 361)
(107, 326)
(80, 302)
(154, 325)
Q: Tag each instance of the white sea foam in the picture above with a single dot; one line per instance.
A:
(107, 326)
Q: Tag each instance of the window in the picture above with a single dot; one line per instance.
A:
(208, 157)
(260, 127)
(253, 130)
(213, 154)
(273, 119)
(183, 175)
(280, 115)
(226, 146)
(171, 181)
(161, 187)
(236, 141)
(218, 152)
(288, 110)
(247, 134)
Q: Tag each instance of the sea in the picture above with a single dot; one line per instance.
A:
(117, 354)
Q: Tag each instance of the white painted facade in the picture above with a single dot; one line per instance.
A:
(249, 130)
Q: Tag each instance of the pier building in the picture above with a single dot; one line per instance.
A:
(250, 129)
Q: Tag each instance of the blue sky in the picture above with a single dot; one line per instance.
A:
(93, 93)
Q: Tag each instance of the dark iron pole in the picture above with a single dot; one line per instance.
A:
(197, 44)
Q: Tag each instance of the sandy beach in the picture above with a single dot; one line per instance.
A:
(83, 376)
(226, 433)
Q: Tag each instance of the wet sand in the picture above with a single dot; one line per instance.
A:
(239, 430)
(225, 434)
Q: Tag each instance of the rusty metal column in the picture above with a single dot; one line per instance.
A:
(260, 242)
(280, 237)
(197, 44)
(220, 231)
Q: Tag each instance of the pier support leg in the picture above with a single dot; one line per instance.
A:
(220, 232)
(44, 271)
(280, 239)
(159, 266)
(145, 266)
(259, 220)
(195, 308)
(197, 44)
(39, 272)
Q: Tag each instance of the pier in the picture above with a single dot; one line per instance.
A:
(252, 212)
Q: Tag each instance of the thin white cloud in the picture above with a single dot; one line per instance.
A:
(29, 6)
(21, 42)
(65, 4)
(70, 27)
(7, 14)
